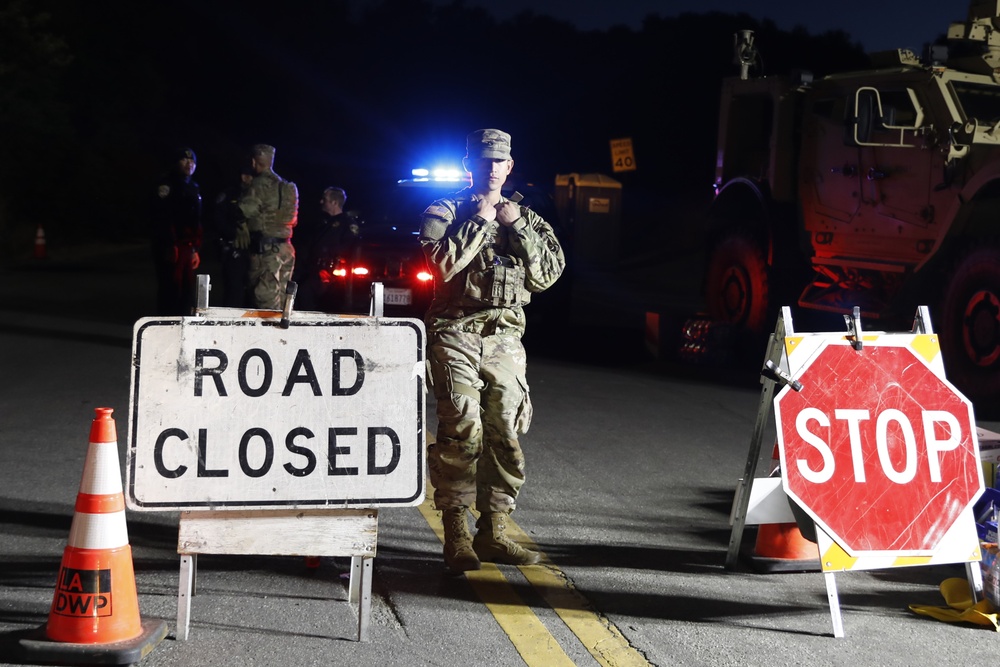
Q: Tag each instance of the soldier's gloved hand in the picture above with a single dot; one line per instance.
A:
(242, 240)
(484, 209)
(508, 213)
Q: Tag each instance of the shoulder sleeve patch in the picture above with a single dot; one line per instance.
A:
(438, 211)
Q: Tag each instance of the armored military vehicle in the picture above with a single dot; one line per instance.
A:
(878, 189)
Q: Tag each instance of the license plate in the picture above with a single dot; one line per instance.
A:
(397, 296)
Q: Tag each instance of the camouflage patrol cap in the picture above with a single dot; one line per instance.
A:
(263, 154)
(489, 143)
(262, 150)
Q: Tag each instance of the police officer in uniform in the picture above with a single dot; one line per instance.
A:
(175, 234)
(234, 241)
(336, 237)
(488, 255)
(270, 206)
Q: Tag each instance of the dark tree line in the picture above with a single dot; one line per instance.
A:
(94, 96)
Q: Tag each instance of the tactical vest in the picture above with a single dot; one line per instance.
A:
(496, 277)
(279, 199)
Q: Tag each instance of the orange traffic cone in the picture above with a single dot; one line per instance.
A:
(780, 547)
(95, 608)
(40, 247)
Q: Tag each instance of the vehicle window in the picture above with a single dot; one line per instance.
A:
(978, 101)
(898, 110)
(864, 113)
(886, 117)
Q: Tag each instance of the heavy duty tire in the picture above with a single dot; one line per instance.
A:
(737, 288)
(970, 329)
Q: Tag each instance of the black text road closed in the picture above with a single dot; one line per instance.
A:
(238, 412)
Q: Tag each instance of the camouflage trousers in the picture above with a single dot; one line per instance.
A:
(270, 272)
(482, 405)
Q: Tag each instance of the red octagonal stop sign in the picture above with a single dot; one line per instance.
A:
(877, 449)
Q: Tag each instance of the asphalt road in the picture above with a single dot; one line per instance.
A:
(632, 469)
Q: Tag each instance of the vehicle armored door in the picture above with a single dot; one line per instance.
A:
(896, 170)
(830, 180)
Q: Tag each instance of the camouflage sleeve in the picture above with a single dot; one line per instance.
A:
(259, 204)
(251, 206)
(449, 245)
(535, 242)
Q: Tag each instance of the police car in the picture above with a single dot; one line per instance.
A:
(389, 249)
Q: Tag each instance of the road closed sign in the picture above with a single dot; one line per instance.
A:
(241, 413)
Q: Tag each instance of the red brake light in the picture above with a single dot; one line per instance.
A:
(424, 276)
(360, 271)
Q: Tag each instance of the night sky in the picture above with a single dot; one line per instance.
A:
(877, 25)
(354, 93)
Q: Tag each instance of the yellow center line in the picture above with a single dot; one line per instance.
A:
(533, 641)
(529, 635)
(598, 634)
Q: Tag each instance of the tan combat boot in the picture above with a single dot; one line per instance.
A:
(458, 553)
(492, 544)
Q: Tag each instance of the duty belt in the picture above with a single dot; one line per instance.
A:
(259, 243)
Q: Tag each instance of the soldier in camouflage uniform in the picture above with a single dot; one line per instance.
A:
(488, 255)
(271, 207)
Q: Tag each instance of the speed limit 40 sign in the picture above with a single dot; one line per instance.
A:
(241, 413)
(622, 157)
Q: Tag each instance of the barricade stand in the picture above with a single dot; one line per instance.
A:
(351, 533)
(314, 476)
(879, 456)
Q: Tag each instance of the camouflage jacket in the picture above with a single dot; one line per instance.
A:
(268, 210)
(485, 272)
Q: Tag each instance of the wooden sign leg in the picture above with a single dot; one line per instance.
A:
(361, 593)
(975, 577)
(775, 350)
(185, 589)
(834, 599)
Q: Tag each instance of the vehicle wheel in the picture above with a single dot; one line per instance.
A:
(970, 328)
(736, 285)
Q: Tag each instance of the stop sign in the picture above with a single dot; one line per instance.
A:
(876, 448)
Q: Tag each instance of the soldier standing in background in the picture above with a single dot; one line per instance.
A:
(335, 237)
(488, 255)
(175, 235)
(271, 206)
(234, 241)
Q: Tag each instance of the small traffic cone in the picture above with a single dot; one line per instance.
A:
(781, 547)
(41, 251)
(95, 609)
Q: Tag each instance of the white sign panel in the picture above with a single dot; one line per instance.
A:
(241, 413)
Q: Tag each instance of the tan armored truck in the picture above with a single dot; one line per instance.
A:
(878, 189)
